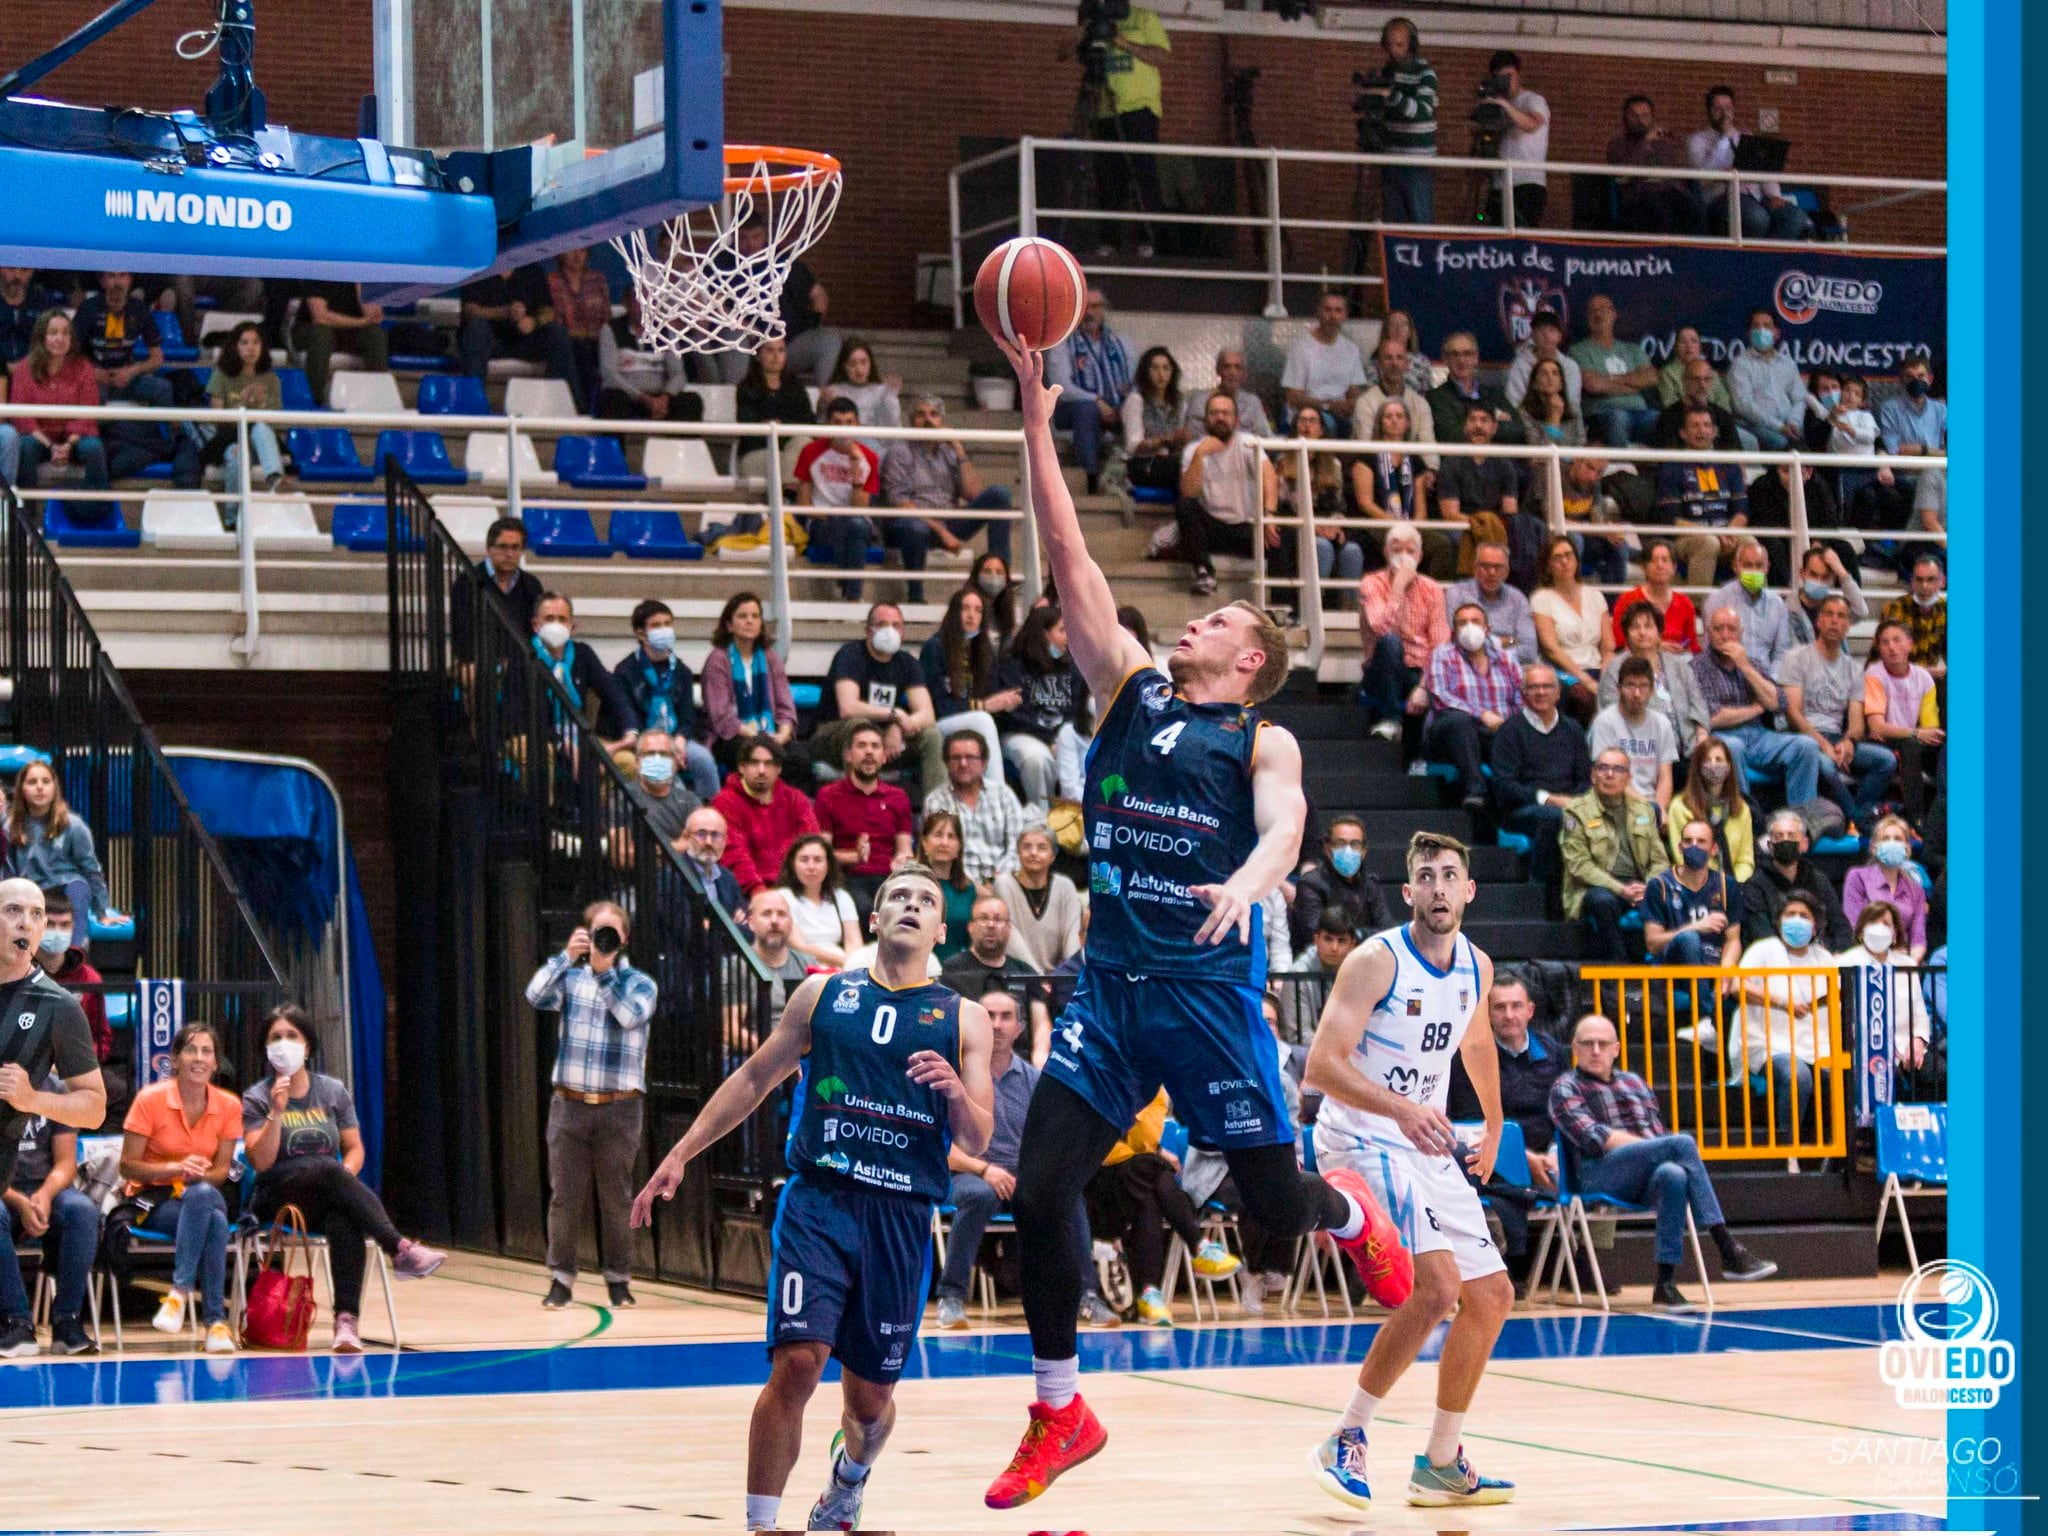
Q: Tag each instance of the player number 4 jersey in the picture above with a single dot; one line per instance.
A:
(1169, 807)
(1410, 1037)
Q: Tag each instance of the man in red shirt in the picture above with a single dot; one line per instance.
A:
(763, 815)
(867, 820)
(840, 473)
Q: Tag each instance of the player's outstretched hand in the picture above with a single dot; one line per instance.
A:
(1032, 390)
(1228, 910)
(928, 1069)
(667, 1179)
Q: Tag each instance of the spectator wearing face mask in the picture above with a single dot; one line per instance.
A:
(1692, 914)
(1474, 687)
(1878, 931)
(1783, 1024)
(1770, 397)
(1403, 612)
(300, 1132)
(1712, 795)
(594, 694)
(874, 680)
(1783, 871)
(659, 688)
(1338, 874)
(667, 804)
(1888, 876)
(1923, 609)
(64, 962)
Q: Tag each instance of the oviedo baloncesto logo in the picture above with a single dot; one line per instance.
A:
(1949, 1356)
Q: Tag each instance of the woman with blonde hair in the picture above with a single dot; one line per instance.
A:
(46, 843)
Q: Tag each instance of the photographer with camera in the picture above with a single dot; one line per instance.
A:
(1122, 46)
(594, 1118)
(1397, 116)
(1521, 119)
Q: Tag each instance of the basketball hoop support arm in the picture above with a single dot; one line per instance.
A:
(233, 105)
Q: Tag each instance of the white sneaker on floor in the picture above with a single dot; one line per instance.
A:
(170, 1313)
(1387, 730)
(220, 1340)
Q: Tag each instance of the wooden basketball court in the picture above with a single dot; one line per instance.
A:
(500, 1417)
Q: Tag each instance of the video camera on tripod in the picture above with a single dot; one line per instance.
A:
(1489, 114)
(1098, 20)
(1369, 107)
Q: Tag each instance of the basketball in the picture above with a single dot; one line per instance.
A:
(1030, 292)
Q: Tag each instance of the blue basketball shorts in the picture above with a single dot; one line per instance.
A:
(851, 1268)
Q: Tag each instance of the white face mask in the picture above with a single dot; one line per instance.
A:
(661, 639)
(887, 640)
(1404, 560)
(1472, 637)
(1877, 938)
(554, 634)
(286, 1056)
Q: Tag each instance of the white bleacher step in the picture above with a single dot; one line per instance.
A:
(285, 525)
(366, 394)
(484, 458)
(184, 521)
(539, 397)
(468, 520)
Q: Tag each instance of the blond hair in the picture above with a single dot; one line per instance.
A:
(1272, 640)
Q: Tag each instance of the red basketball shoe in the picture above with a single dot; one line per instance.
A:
(1387, 1268)
(1058, 1438)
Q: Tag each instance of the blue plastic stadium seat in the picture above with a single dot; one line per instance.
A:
(421, 455)
(1153, 495)
(1753, 777)
(156, 469)
(176, 348)
(15, 758)
(328, 454)
(595, 464)
(1840, 845)
(565, 533)
(806, 695)
(653, 536)
(119, 931)
(1514, 842)
(295, 391)
(453, 394)
(360, 525)
(818, 554)
(89, 525)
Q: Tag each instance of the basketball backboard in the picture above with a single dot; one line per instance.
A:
(587, 118)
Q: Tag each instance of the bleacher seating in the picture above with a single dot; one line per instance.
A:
(539, 397)
(328, 455)
(684, 464)
(453, 394)
(175, 347)
(721, 401)
(89, 525)
(284, 525)
(564, 533)
(296, 390)
(468, 520)
(422, 455)
(656, 535)
(595, 464)
(360, 526)
(184, 520)
(366, 394)
(484, 455)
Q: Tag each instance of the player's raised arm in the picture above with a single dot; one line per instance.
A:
(970, 1092)
(1103, 649)
(1280, 812)
(1362, 981)
(1482, 1066)
(737, 1097)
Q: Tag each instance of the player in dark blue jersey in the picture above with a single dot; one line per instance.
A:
(1195, 812)
(894, 1071)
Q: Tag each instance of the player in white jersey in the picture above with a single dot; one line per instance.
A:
(1403, 1002)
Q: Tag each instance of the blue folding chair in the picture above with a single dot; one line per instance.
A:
(453, 394)
(422, 455)
(89, 525)
(1316, 1260)
(295, 390)
(1511, 1166)
(565, 533)
(361, 526)
(176, 348)
(328, 455)
(1577, 1224)
(595, 464)
(1216, 1222)
(1912, 1157)
(653, 536)
(942, 1236)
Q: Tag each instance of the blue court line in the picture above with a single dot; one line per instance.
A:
(74, 1384)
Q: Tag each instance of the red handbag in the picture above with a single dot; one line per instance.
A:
(280, 1310)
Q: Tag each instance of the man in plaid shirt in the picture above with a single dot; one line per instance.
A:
(594, 1119)
(991, 819)
(1609, 1118)
(1473, 687)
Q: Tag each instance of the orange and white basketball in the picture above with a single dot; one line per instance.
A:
(1030, 292)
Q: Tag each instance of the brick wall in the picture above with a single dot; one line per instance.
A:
(894, 97)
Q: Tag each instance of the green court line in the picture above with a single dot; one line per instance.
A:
(1535, 1445)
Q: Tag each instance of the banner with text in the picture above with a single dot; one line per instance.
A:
(1858, 314)
(163, 1015)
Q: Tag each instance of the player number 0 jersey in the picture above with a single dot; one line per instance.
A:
(1410, 1037)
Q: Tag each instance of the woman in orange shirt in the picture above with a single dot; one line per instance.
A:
(177, 1144)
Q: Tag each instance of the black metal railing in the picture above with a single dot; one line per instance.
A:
(553, 802)
(67, 699)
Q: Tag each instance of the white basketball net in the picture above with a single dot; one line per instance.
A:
(699, 291)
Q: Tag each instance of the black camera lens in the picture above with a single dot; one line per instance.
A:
(606, 941)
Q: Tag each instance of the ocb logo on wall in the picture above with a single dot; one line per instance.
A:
(163, 1015)
(1949, 1357)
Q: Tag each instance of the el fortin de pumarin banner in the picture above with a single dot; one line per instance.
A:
(1861, 314)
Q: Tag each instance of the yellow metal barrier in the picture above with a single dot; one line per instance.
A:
(1728, 1026)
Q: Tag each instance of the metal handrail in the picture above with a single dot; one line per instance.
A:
(1030, 211)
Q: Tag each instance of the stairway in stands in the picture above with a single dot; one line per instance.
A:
(1345, 770)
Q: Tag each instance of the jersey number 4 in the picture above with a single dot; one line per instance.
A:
(1168, 737)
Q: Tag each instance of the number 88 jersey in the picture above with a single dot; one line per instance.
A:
(1169, 807)
(1410, 1037)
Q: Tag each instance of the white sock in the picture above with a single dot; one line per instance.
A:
(764, 1511)
(1444, 1431)
(1057, 1381)
(1359, 1414)
(1353, 1224)
(850, 1472)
